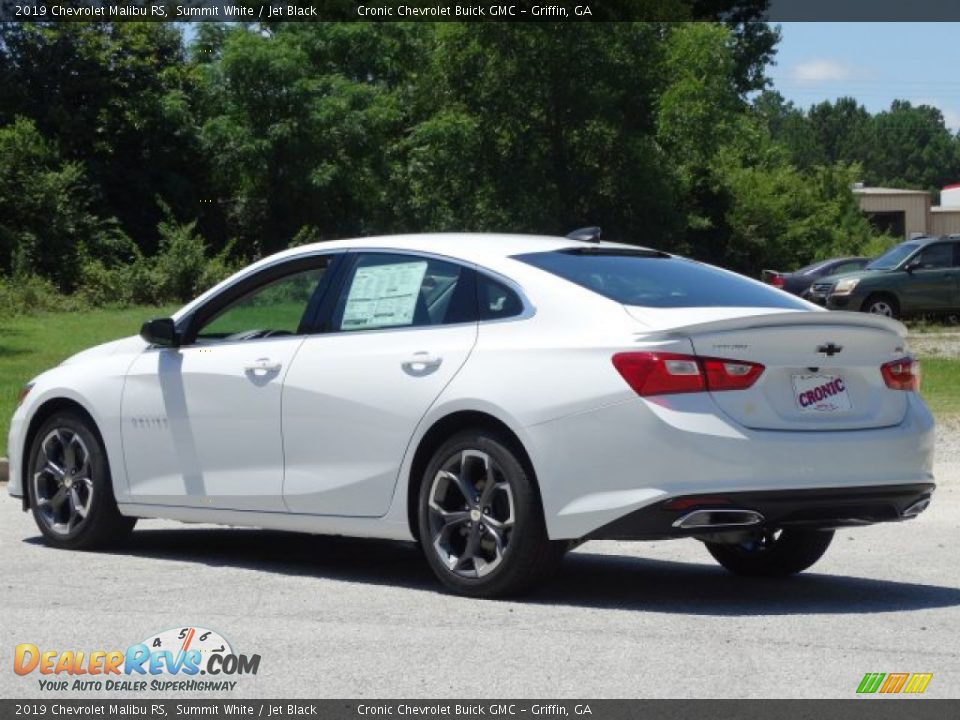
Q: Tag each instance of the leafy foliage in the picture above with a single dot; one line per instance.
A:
(135, 168)
(905, 146)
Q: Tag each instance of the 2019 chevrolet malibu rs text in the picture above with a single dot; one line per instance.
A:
(497, 398)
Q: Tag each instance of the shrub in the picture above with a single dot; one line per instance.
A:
(177, 273)
(27, 294)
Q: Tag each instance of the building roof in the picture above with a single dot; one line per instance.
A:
(887, 191)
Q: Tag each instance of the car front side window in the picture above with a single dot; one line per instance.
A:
(272, 309)
(935, 257)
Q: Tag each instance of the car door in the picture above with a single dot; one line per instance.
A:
(201, 422)
(399, 328)
(931, 283)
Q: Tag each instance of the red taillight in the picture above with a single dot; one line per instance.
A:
(902, 374)
(730, 374)
(659, 373)
(778, 281)
(653, 373)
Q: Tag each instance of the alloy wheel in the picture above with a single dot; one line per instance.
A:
(880, 307)
(471, 514)
(62, 486)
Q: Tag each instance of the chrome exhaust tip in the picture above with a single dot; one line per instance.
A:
(718, 518)
(918, 507)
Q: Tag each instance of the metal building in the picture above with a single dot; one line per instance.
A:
(945, 218)
(908, 213)
(897, 212)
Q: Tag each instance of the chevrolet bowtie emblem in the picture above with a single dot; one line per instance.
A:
(830, 349)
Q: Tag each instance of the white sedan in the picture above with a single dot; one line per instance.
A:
(496, 398)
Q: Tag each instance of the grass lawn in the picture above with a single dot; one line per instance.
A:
(940, 385)
(30, 345)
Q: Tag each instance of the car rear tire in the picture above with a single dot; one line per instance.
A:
(480, 519)
(773, 554)
(881, 305)
(71, 493)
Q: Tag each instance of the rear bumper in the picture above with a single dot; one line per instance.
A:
(822, 508)
(595, 468)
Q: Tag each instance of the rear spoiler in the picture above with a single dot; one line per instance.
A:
(719, 323)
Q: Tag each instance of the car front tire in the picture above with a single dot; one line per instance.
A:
(71, 493)
(881, 305)
(480, 520)
(773, 554)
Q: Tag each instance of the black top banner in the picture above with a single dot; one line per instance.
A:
(481, 11)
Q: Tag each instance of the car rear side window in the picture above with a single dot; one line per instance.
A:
(653, 279)
(496, 301)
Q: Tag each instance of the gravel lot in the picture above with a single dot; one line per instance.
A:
(948, 442)
(941, 344)
(333, 617)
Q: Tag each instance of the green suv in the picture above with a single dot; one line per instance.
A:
(917, 276)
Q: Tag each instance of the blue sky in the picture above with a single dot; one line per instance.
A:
(875, 63)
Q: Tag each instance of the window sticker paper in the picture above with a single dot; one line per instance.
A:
(383, 296)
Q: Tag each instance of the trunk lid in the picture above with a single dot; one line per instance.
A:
(822, 369)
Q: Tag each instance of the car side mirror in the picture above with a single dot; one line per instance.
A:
(160, 331)
(912, 265)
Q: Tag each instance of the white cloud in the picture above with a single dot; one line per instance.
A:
(823, 70)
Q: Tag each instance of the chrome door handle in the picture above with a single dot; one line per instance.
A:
(264, 365)
(421, 363)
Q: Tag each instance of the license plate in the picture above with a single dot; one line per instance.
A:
(819, 393)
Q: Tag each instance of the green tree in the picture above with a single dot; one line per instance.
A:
(300, 134)
(912, 147)
(45, 215)
(116, 98)
(541, 128)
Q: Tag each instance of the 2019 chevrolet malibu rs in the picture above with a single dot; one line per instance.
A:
(497, 398)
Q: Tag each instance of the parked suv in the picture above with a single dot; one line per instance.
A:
(917, 276)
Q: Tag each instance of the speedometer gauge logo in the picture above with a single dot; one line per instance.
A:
(180, 641)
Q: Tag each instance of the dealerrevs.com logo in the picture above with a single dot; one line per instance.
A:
(188, 659)
(894, 683)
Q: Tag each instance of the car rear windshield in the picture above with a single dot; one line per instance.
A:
(654, 279)
(812, 268)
